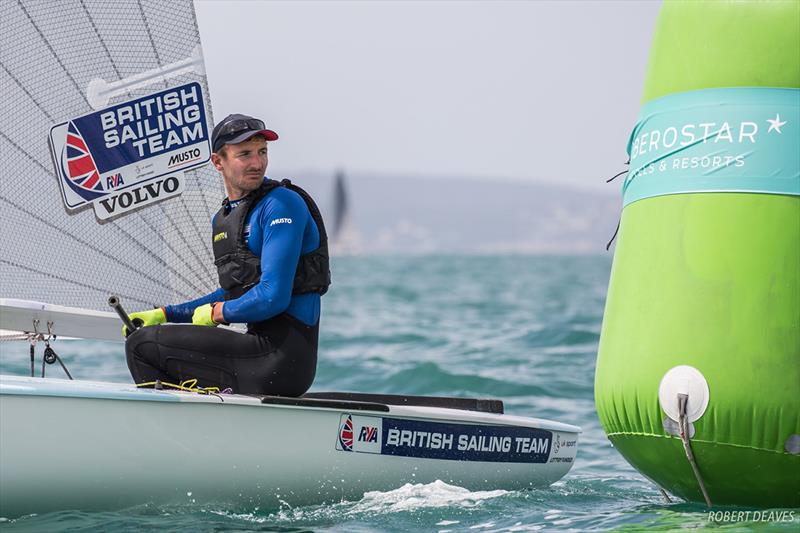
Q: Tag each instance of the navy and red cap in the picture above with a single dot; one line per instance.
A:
(237, 128)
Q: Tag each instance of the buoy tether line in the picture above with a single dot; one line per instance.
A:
(682, 383)
(684, 425)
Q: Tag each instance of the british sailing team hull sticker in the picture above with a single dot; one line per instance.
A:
(440, 440)
(133, 153)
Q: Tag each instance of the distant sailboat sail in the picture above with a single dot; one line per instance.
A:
(345, 239)
(125, 66)
(339, 205)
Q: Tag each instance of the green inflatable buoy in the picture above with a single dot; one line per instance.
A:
(698, 370)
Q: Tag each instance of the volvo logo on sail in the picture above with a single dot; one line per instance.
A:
(136, 197)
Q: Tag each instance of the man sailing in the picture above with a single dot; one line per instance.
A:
(271, 253)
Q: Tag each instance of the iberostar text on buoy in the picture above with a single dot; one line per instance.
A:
(698, 370)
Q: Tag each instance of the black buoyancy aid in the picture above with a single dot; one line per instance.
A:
(239, 269)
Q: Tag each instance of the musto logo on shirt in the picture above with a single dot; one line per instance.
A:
(716, 140)
(131, 154)
(435, 440)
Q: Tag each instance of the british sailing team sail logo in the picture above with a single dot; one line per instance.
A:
(133, 153)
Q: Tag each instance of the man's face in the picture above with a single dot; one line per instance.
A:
(242, 166)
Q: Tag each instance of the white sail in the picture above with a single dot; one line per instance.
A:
(57, 61)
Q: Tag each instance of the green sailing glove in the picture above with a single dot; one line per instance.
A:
(151, 317)
(203, 316)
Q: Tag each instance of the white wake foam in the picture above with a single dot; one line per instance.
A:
(411, 497)
(408, 498)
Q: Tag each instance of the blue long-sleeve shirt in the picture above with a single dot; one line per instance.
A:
(279, 230)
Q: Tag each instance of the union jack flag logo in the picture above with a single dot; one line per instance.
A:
(346, 434)
(81, 168)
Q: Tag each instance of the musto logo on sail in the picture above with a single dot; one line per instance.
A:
(133, 153)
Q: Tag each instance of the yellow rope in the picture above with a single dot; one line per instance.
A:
(189, 385)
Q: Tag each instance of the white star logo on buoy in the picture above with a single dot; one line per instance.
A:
(776, 123)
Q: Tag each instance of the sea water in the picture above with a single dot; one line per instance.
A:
(524, 329)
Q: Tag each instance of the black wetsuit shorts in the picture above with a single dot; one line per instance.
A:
(280, 359)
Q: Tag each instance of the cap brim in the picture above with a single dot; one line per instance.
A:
(268, 134)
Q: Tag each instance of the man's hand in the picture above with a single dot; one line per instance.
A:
(204, 316)
(152, 317)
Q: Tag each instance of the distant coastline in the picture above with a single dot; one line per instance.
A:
(421, 215)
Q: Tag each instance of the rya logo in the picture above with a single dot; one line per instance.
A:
(368, 434)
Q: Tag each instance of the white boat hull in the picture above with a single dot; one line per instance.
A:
(83, 445)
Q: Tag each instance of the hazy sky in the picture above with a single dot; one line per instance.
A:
(523, 90)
